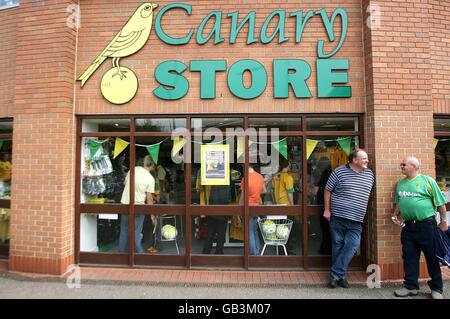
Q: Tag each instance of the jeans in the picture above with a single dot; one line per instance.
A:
(418, 237)
(254, 241)
(345, 240)
(124, 229)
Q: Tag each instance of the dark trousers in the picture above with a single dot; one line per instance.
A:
(216, 225)
(417, 237)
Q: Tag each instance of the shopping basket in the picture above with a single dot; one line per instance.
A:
(275, 231)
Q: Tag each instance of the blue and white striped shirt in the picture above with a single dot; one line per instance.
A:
(350, 192)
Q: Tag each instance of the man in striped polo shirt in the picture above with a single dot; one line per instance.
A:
(346, 198)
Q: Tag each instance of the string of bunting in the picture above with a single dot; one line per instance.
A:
(436, 141)
(344, 143)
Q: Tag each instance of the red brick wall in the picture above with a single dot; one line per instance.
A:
(101, 20)
(399, 113)
(440, 53)
(7, 60)
(42, 203)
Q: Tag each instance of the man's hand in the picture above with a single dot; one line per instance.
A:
(443, 225)
(153, 217)
(327, 214)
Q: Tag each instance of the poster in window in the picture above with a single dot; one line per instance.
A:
(215, 165)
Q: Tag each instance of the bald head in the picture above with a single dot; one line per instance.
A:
(410, 166)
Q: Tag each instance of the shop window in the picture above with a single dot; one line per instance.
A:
(103, 169)
(99, 233)
(217, 235)
(281, 124)
(105, 125)
(328, 153)
(332, 124)
(165, 236)
(6, 128)
(276, 236)
(159, 125)
(279, 160)
(169, 174)
(5, 4)
(221, 124)
(216, 172)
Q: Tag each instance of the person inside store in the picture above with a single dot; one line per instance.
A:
(416, 198)
(346, 199)
(324, 167)
(217, 225)
(256, 187)
(144, 189)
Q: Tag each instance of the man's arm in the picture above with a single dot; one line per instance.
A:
(150, 201)
(443, 215)
(327, 199)
(291, 198)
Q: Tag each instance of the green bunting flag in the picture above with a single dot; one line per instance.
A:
(281, 147)
(345, 144)
(93, 147)
(1, 144)
(153, 150)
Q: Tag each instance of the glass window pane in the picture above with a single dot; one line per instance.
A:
(169, 174)
(217, 235)
(6, 127)
(277, 235)
(8, 3)
(165, 237)
(102, 173)
(159, 125)
(99, 232)
(283, 124)
(201, 124)
(282, 177)
(207, 191)
(105, 125)
(442, 125)
(332, 124)
(442, 160)
(319, 238)
(328, 154)
(5, 168)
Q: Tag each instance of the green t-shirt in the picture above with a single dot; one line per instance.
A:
(416, 197)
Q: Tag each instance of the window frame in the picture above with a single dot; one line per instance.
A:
(189, 210)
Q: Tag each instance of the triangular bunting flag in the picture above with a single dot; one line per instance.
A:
(178, 143)
(119, 146)
(281, 147)
(310, 146)
(93, 147)
(1, 144)
(434, 143)
(153, 150)
(345, 144)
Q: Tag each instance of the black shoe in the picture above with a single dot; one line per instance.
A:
(333, 283)
(343, 283)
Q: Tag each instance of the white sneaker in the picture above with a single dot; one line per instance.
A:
(436, 295)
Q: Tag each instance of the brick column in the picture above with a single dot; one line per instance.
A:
(399, 113)
(42, 208)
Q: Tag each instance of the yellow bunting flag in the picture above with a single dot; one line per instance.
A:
(435, 142)
(178, 143)
(310, 146)
(119, 146)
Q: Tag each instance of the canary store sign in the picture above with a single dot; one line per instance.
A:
(119, 85)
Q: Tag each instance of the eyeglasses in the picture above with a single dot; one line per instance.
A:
(402, 165)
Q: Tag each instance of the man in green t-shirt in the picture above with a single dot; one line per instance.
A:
(416, 199)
